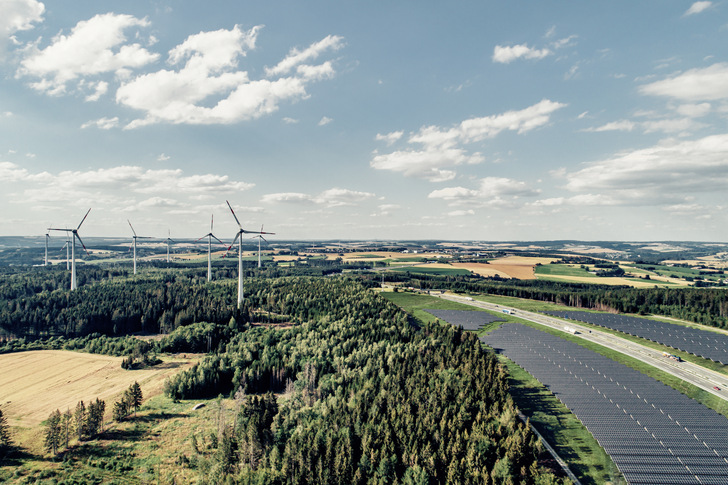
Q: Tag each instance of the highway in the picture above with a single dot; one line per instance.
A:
(699, 376)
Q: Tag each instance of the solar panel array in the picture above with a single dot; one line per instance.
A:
(654, 434)
(469, 320)
(709, 345)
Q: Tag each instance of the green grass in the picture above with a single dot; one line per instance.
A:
(562, 270)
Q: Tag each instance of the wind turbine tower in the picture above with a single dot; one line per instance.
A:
(209, 237)
(239, 239)
(65, 246)
(134, 242)
(74, 236)
(169, 241)
(46, 249)
(259, 237)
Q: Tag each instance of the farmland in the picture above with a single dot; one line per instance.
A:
(35, 383)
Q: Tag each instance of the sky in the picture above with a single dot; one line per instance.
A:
(469, 120)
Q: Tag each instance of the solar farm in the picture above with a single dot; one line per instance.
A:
(709, 345)
(653, 433)
(469, 320)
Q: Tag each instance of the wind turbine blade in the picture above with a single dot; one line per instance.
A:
(212, 218)
(216, 239)
(54, 229)
(201, 237)
(236, 217)
(81, 241)
(132, 227)
(84, 218)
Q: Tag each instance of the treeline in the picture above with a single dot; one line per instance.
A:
(372, 399)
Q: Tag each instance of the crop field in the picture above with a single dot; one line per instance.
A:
(576, 274)
(436, 268)
(33, 384)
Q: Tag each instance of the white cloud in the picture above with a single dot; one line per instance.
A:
(707, 84)
(290, 121)
(102, 123)
(18, 15)
(100, 88)
(621, 125)
(694, 110)
(296, 58)
(335, 197)
(441, 148)
(492, 191)
(507, 54)
(389, 138)
(698, 7)
(324, 121)
(163, 157)
(95, 46)
(208, 88)
(660, 173)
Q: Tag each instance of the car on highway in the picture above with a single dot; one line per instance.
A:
(716, 388)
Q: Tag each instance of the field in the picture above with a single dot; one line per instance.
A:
(576, 274)
(33, 384)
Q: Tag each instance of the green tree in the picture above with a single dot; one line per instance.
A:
(5, 441)
(53, 433)
(136, 396)
(95, 417)
(79, 420)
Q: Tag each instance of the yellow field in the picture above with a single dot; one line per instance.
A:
(606, 280)
(34, 384)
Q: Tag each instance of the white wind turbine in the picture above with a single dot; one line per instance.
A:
(66, 247)
(46, 249)
(74, 236)
(259, 237)
(209, 237)
(169, 240)
(239, 239)
(134, 240)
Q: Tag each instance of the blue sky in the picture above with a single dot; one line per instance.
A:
(476, 120)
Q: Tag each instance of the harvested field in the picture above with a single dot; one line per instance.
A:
(518, 267)
(33, 384)
(482, 269)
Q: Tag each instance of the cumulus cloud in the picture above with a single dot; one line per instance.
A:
(94, 47)
(707, 84)
(440, 148)
(507, 54)
(675, 125)
(698, 7)
(665, 172)
(324, 121)
(621, 125)
(296, 58)
(102, 123)
(107, 184)
(389, 138)
(208, 88)
(16, 16)
(492, 191)
(335, 197)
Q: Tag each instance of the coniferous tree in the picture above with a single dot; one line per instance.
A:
(136, 396)
(5, 441)
(53, 433)
(79, 420)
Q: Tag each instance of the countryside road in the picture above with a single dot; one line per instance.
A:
(694, 374)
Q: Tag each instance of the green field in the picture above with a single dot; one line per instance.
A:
(562, 270)
(434, 271)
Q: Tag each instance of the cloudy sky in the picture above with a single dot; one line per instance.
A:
(478, 120)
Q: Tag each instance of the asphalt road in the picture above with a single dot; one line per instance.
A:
(692, 373)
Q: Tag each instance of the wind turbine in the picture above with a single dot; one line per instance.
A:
(74, 236)
(239, 239)
(46, 249)
(65, 246)
(209, 237)
(259, 237)
(133, 242)
(169, 240)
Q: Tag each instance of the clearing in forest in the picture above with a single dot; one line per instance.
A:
(33, 384)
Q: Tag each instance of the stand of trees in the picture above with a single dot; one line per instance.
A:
(373, 400)
(84, 423)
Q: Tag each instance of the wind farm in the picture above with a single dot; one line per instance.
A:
(74, 235)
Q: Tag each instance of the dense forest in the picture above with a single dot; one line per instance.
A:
(375, 399)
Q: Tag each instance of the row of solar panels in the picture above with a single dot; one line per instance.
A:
(640, 422)
(703, 343)
(469, 320)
